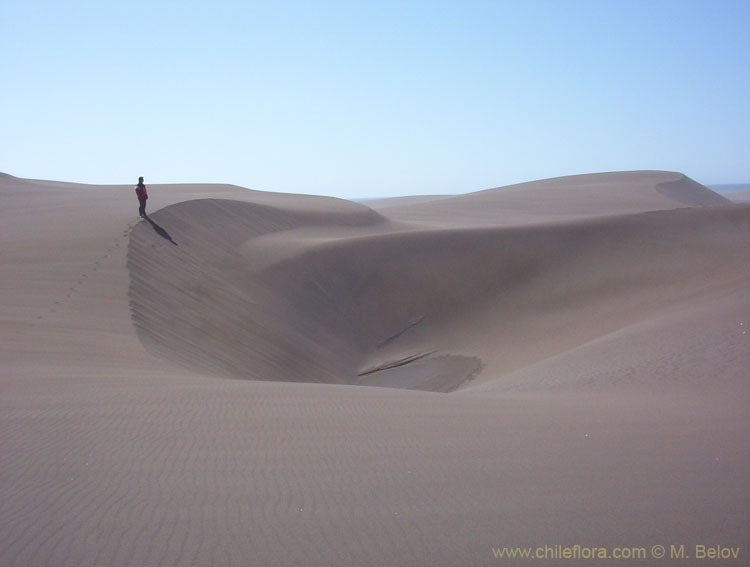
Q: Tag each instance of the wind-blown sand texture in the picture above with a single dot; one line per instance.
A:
(566, 361)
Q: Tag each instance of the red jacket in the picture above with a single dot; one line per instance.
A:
(141, 193)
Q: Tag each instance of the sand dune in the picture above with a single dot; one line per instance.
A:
(592, 332)
(384, 202)
(735, 192)
(260, 293)
(564, 198)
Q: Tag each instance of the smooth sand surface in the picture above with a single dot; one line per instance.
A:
(563, 362)
(563, 199)
(400, 201)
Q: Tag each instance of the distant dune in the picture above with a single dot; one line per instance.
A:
(739, 196)
(564, 198)
(558, 362)
(729, 189)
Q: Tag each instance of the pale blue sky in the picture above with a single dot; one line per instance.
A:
(364, 99)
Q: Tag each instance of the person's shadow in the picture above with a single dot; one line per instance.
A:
(160, 231)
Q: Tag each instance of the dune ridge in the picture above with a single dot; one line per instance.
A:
(563, 199)
(261, 293)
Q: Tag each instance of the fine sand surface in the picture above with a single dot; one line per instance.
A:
(561, 362)
(394, 201)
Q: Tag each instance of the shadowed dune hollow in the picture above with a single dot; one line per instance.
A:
(314, 289)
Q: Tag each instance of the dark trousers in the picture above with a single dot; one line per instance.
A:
(142, 208)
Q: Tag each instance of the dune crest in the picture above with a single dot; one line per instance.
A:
(563, 199)
(689, 193)
(264, 291)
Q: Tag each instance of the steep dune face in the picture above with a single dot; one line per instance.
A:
(194, 299)
(689, 193)
(260, 291)
(512, 296)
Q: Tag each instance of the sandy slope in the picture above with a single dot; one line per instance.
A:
(563, 199)
(384, 202)
(601, 321)
(259, 292)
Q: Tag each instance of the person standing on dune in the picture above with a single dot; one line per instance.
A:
(142, 194)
